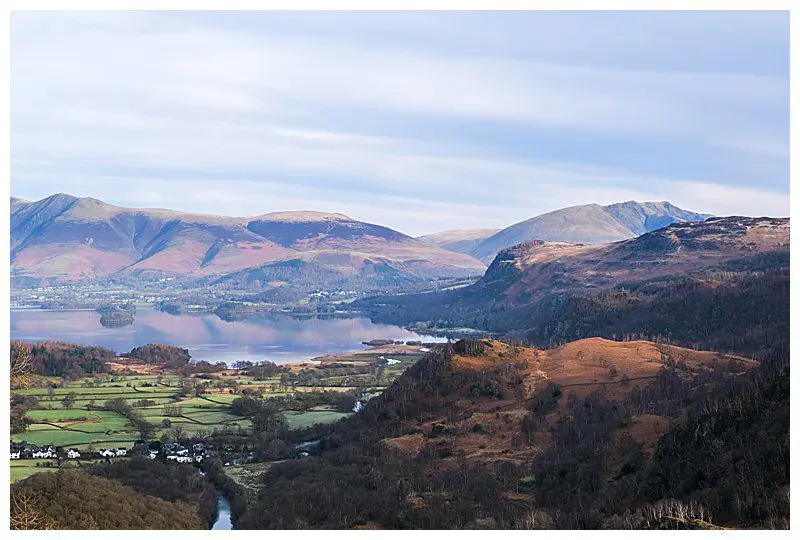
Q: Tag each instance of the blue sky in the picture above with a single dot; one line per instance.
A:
(419, 121)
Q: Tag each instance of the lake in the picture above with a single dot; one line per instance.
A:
(276, 338)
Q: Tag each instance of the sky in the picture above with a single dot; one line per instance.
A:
(420, 121)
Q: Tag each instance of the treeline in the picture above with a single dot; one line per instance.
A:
(20, 405)
(120, 406)
(168, 356)
(67, 360)
(260, 370)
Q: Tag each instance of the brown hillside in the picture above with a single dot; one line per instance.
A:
(482, 429)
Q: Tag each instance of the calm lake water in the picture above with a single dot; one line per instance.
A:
(260, 337)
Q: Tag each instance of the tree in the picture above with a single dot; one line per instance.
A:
(21, 368)
(178, 433)
(146, 429)
(173, 410)
(26, 514)
(269, 421)
(69, 400)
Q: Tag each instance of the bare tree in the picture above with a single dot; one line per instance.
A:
(26, 515)
(21, 368)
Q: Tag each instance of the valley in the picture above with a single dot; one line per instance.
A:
(564, 387)
(171, 404)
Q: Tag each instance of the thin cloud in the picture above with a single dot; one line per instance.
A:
(265, 114)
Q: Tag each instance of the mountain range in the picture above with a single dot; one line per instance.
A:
(584, 224)
(70, 239)
(63, 238)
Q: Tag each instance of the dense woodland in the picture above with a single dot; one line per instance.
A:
(55, 359)
(168, 356)
(168, 481)
(70, 499)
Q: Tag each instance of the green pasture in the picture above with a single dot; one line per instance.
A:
(77, 426)
(61, 415)
(300, 420)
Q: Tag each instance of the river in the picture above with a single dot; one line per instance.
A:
(276, 338)
(223, 522)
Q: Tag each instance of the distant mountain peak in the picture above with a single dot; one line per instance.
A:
(588, 224)
(303, 216)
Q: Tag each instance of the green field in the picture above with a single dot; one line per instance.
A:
(82, 427)
(300, 420)
(21, 469)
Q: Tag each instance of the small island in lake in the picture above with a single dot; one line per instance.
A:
(116, 316)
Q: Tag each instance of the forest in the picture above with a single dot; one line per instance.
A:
(66, 360)
(71, 499)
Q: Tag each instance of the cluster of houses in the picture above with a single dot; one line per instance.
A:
(111, 452)
(172, 452)
(23, 450)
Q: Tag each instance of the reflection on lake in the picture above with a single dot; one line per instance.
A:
(260, 337)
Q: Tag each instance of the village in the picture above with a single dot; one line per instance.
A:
(168, 451)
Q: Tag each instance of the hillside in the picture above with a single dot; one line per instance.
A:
(587, 224)
(68, 239)
(458, 240)
(75, 500)
(484, 434)
(723, 282)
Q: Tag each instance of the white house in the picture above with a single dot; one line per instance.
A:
(73, 453)
(43, 454)
(14, 455)
(182, 452)
(198, 459)
(153, 455)
(121, 451)
(107, 453)
(181, 459)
